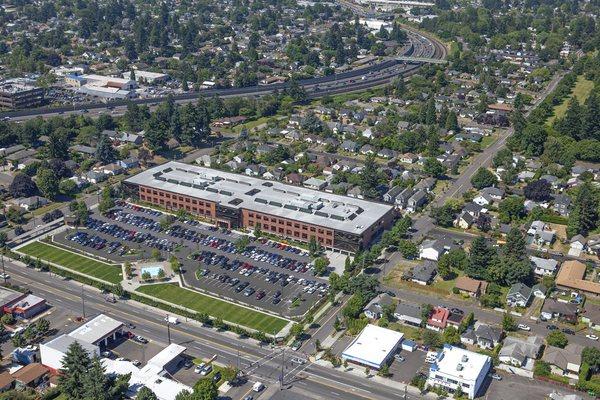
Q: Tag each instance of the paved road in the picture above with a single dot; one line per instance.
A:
(320, 382)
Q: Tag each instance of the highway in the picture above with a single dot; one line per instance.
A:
(372, 75)
(261, 362)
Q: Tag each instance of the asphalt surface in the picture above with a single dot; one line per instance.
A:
(260, 362)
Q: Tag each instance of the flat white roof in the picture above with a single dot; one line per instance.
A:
(463, 364)
(373, 346)
(274, 198)
(96, 329)
(167, 355)
(149, 376)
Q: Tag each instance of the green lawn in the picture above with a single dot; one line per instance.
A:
(98, 269)
(581, 90)
(214, 307)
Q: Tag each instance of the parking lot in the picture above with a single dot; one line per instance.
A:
(261, 273)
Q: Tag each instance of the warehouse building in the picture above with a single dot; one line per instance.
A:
(17, 94)
(234, 201)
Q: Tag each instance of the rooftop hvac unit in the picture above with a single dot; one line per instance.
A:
(465, 358)
(459, 367)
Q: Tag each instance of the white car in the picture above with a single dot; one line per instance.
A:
(199, 368)
(592, 337)
(523, 327)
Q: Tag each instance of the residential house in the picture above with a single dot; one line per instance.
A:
(424, 273)
(294, 178)
(591, 316)
(409, 314)
(564, 362)
(577, 245)
(31, 376)
(518, 295)
(541, 233)
(426, 184)
(129, 163)
(470, 286)
(438, 320)
(355, 192)
(543, 266)
(416, 201)
(408, 158)
(562, 203)
(376, 307)
(520, 352)
(483, 335)
(434, 249)
(314, 183)
(349, 145)
(7, 382)
(131, 138)
(30, 203)
(95, 177)
(539, 290)
(390, 195)
(464, 220)
(557, 309)
(367, 149)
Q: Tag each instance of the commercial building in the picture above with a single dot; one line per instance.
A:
(154, 375)
(235, 201)
(98, 331)
(20, 93)
(107, 87)
(53, 352)
(21, 305)
(147, 76)
(459, 368)
(373, 347)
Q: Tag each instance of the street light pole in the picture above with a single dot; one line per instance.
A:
(3, 268)
(282, 364)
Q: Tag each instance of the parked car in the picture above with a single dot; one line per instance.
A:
(591, 337)
(523, 327)
(552, 327)
(496, 377)
(568, 331)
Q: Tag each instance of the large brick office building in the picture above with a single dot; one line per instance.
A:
(236, 201)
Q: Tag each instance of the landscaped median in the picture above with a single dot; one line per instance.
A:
(214, 307)
(69, 260)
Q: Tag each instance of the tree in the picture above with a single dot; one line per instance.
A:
(466, 323)
(557, 339)
(483, 178)
(106, 201)
(515, 244)
(145, 394)
(321, 265)
(313, 246)
(591, 355)
(76, 364)
(369, 178)
(539, 190)
(96, 383)
(22, 186)
(47, 182)
(512, 208)
(353, 307)
(68, 187)
(451, 336)
(456, 259)
(175, 264)
(205, 389)
(408, 249)
(105, 153)
(483, 222)
(434, 168)
(508, 323)
(443, 216)
(431, 338)
(584, 216)
(58, 144)
(480, 257)
(42, 326)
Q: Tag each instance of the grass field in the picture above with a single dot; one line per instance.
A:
(214, 307)
(98, 269)
(582, 90)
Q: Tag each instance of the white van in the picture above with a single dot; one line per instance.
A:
(258, 386)
(171, 320)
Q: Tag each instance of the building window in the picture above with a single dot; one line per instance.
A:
(304, 236)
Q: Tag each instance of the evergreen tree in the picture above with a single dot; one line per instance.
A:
(105, 153)
(515, 245)
(430, 115)
(96, 383)
(571, 124)
(591, 120)
(584, 216)
(369, 178)
(76, 364)
(452, 122)
(146, 394)
(480, 256)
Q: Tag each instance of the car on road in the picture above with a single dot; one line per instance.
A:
(249, 398)
(523, 327)
(496, 377)
(552, 327)
(591, 337)
(298, 360)
(568, 331)
(4, 276)
(258, 386)
(129, 325)
(296, 345)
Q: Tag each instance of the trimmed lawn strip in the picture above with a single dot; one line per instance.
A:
(214, 307)
(73, 261)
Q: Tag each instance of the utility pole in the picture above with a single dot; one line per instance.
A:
(3, 268)
(405, 388)
(168, 330)
(82, 302)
